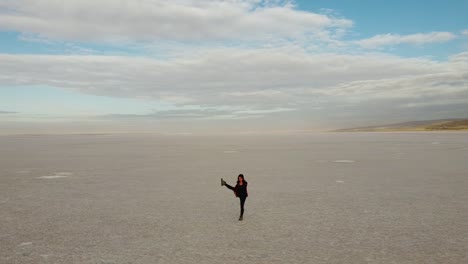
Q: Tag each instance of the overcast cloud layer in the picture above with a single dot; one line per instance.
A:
(185, 20)
(234, 60)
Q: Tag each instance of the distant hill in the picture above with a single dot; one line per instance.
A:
(426, 125)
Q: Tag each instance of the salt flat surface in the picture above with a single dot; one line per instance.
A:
(120, 199)
(344, 161)
(56, 175)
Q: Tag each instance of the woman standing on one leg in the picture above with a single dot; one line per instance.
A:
(240, 190)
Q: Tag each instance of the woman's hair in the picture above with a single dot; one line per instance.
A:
(242, 176)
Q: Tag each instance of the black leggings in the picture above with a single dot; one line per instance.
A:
(242, 199)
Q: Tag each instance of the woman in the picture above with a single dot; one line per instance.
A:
(240, 190)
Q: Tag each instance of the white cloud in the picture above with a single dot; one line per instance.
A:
(210, 77)
(237, 83)
(182, 20)
(414, 39)
(36, 39)
(434, 85)
(443, 102)
(460, 59)
(197, 113)
(275, 66)
(265, 111)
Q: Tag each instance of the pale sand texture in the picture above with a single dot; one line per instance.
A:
(319, 198)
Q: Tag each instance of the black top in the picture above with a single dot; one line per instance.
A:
(241, 190)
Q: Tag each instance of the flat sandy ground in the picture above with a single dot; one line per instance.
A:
(319, 198)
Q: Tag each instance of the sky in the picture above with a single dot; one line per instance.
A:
(229, 66)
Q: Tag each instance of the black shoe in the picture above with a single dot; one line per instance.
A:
(223, 182)
(241, 218)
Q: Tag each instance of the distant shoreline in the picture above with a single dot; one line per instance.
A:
(230, 135)
(402, 130)
(415, 126)
(442, 125)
